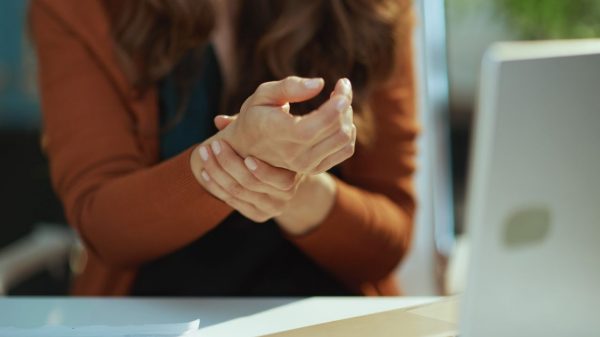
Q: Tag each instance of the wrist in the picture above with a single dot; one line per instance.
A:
(310, 206)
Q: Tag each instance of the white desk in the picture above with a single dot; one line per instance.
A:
(219, 316)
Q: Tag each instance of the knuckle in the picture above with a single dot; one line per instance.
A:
(350, 114)
(290, 81)
(344, 136)
(262, 87)
(247, 102)
(287, 86)
(348, 150)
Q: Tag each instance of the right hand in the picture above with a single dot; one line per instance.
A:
(255, 189)
(312, 143)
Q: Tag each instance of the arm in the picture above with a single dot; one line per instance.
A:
(127, 210)
(369, 227)
(360, 227)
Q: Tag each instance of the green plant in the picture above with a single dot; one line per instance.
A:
(553, 19)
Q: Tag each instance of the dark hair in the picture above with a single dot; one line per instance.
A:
(274, 39)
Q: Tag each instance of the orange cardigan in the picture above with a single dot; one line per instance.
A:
(129, 208)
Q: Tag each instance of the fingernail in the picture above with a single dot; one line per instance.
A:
(250, 164)
(346, 83)
(312, 83)
(205, 175)
(203, 153)
(342, 104)
(216, 147)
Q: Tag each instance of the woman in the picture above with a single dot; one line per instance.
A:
(276, 199)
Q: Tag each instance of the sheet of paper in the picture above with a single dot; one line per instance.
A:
(146, 330)
(395, 323)
(311, 311)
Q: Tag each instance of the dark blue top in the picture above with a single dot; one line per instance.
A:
(238, 257)
(202, 106)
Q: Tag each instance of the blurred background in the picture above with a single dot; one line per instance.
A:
(26, 196)
(462, 30)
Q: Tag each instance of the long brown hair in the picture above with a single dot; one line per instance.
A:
(273, 39)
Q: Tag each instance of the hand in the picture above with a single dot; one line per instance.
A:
(313, 143)
(255, 189)
(312, 200)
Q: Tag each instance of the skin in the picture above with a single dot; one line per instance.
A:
(267, 163)
(302, 144)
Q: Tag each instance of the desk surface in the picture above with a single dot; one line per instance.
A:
(217, 315)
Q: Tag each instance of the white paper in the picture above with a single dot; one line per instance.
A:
(145, 330)
(315, 310)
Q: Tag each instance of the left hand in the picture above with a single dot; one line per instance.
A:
(308, 144)
(255, 189)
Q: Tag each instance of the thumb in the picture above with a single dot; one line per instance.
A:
(221, 121)
(292, 89)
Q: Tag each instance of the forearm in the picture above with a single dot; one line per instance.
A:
(145, 214)
(126, 210)
(363, 238)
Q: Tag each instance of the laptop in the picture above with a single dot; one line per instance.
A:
(533, 203)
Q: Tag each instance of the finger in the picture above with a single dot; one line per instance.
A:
(221, 121)
(316, 130)
(248, 210)
(334, 143)
(224, 180)
(271, 203)
(289, 90)
(279, 178)
(335, 159)
(320, 123)
(236, 167)
(344, 87)
(214, 188)
(245, 203)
